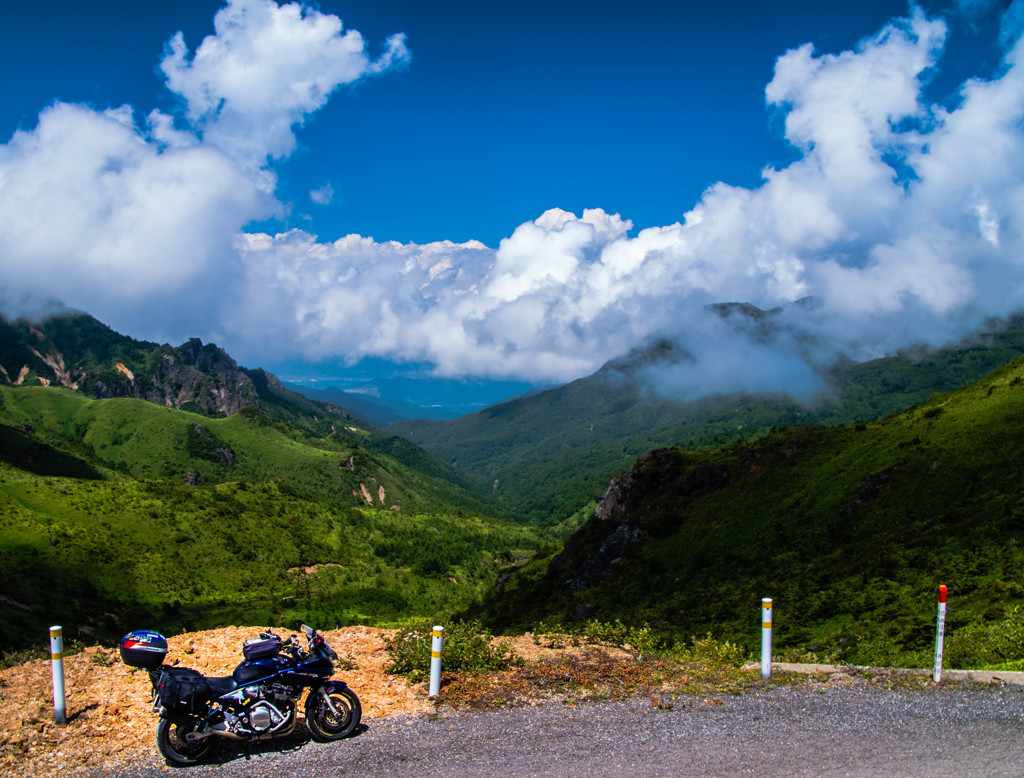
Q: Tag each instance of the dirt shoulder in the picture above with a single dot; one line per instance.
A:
(111, 723)
(109, 704)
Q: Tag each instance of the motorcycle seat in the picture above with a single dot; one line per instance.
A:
(221, 686)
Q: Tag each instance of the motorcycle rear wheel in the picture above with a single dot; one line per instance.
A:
(323, 725)
(170, 740)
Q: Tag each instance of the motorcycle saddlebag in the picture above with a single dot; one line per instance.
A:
(184, 690)
(260, 648)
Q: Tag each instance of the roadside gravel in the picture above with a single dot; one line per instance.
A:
(849, 730)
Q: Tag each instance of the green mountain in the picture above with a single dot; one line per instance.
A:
(849, 529)
(177, 490)
(548, 455)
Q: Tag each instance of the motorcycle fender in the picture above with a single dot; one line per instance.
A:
(335, 686)
(181, 719)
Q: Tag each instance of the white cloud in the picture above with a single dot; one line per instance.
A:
(322, 196)
(902, 219)
(138, 223)
(893, 255)
(97, 215)
(264, 71)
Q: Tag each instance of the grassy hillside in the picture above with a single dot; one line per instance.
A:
(554, 452)
(142, 440)
(100, 528)
(849, 529)
(102, 557)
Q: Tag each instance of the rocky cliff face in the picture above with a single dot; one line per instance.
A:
(189, 374)
(80, 353)
(629, 515)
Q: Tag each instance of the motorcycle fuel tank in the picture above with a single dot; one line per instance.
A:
(257, 669)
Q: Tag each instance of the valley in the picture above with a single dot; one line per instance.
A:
(188, 505)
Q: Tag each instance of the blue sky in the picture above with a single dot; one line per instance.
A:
(514, 190)
(505, 109)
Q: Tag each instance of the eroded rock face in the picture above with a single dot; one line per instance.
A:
(658, 478)
(655, 475)
(79, 353)
(191, 373)
(598, 566)
(204, 375)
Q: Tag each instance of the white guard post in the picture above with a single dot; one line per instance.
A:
(940, 634)
(57, 664)
(436, 640)
(766, 638)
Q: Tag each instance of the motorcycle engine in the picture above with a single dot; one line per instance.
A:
(259, 710)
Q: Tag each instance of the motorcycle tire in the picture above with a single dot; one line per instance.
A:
(323, 725)
(170, 740)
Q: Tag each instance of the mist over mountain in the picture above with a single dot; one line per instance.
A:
(384, 399)
(590, 429)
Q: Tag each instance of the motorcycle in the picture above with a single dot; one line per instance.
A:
(258, 700)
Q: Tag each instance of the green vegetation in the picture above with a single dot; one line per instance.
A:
(179, 491)
(101, 531)
(468, 647)
(849, 529)
(101, 557)
(138, 439)
(554, 452)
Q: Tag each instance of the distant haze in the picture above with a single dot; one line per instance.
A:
(899, 216)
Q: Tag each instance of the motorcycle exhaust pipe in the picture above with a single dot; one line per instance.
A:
(220, 729)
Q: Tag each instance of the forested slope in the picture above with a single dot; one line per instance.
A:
(849, 529)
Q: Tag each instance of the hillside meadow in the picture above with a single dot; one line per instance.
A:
(116, 514)
(122, 513)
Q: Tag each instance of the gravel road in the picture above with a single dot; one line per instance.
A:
(845, 731)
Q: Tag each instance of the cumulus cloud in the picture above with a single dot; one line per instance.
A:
(900, 221)
(119, 216)
(97, 215)
(264, 71)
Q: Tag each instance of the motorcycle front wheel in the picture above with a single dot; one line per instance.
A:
(325, 726)
(170, 740)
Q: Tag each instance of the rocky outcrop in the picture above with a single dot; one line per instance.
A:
(77, 352)
(597, 566)
(191, 374)
(629, 514)
(55, 361)
(655, 474)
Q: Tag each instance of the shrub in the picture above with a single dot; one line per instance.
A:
(995, 645)
(708, 649)
(468, 646)
(640, 639)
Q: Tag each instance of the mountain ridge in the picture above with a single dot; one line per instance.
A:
(848, 528)
(590, 429)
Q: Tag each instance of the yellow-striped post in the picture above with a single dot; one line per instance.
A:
(57, 664)
(436, 640)
(766, 638)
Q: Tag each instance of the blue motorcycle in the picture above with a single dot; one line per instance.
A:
(258, 700)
